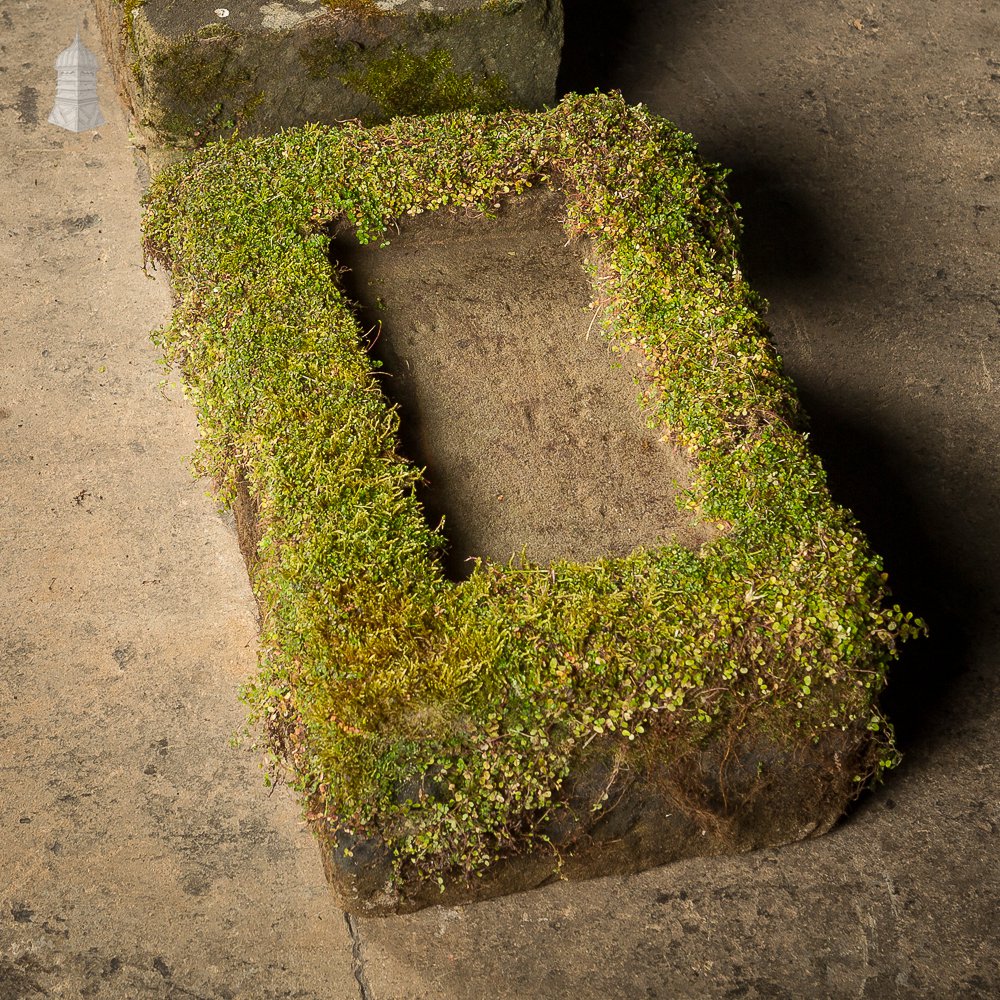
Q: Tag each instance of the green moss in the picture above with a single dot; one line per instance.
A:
(443, 718)
(191, 72)
(129, 7)
(190, 76)
(249, 108)
(430, 22)
(503, 6)
(187, 78)
(405, 84)
(209, 31)
(401, 83)
(323, 57)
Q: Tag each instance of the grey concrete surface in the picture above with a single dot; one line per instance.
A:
(864, 143)
(140, 856)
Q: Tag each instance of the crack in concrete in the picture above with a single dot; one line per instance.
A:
(357, 960)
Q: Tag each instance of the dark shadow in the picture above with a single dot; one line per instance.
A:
(867, 473)
(344, 255)
(596, 36)
(785, 237)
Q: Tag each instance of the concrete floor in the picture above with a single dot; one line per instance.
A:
(139, 855)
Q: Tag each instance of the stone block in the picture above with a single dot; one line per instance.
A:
(190, 73)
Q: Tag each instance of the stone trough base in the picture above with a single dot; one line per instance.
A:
(522, 417)
(720, 798)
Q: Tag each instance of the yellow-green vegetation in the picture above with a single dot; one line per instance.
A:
(503, 6)
(443, 717)
(402, 83)
(129, 7)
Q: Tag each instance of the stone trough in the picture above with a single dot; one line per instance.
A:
(644, 630)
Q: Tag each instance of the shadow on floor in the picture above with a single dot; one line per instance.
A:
(885, 490)
(785, 236)
(596, 35)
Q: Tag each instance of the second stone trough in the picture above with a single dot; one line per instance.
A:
(190, 73)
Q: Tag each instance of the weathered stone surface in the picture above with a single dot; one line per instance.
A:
(190, 75)
(719, 798)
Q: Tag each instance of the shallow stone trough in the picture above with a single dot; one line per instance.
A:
(643, 630)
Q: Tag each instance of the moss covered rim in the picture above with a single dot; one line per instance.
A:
(443, 718)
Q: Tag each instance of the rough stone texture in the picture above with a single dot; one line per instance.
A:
(189, 75)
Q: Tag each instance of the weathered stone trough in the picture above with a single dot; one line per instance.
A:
(461, 730)
(191, 72)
